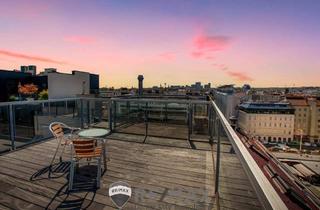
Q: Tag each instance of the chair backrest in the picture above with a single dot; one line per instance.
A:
(56, 129)
(83, 147)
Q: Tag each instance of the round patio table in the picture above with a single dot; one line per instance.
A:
(94, 133)
(99, 134)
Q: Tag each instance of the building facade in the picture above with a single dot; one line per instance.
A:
(59, 85)
(272, 122)
(307, 117)
(62, 85)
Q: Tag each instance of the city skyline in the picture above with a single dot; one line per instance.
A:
(263, 43)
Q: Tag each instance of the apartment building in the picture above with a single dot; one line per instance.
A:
(307, 117)
(272, 122)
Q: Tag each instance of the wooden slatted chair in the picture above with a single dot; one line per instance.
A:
(57, 130)
(88, 150)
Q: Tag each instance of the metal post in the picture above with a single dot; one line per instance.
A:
(189, 122)
(88, 113)
(217, 157)
(81, 113)
(12, 127)
(191, 118)
(146, 121)
(214, 129)
(210, 123)
(66, 107)
(110, 116)
(218, 124)
(49, 110)
(114, 115)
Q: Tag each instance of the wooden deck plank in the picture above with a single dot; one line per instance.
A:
(172, 177)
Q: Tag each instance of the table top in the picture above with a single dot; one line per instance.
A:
(94, 132)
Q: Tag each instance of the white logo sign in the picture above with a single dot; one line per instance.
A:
(120, 193)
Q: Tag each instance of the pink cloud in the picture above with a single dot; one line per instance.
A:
(241, 76)
(78, 39)
(204, 46)
(29, 57)
(168, 56)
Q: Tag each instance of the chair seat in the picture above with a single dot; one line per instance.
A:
(96, 153)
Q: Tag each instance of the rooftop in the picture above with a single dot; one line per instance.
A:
(180, 154)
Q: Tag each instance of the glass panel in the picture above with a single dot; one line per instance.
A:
(97, 113)
(5, 142)
(129, 117)
(32, 120)
(25, 123)
(168, 120)
(200, 120)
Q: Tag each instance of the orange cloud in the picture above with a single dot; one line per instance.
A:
(29, 57)
(204, 46)
(241, 76)
(79, 39)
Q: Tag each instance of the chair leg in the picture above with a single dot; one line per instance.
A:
(99, 173)
(53, 158)
(63, 149)
(71, 175)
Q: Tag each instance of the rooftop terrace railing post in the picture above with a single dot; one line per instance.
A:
(110, 115)
(146, 122)
(114, 115)
(12, 126)
(81, 113)
(217, 171)
(210, 123)
(66, 107)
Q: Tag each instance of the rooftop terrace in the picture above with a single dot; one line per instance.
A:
(175, 154)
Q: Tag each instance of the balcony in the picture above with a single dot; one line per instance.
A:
(175, 154)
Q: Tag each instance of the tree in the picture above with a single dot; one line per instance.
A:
(27, 89)
(43, 95)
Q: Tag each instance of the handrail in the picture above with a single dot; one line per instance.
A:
(37, 101)
(267, 195)
(144, 100)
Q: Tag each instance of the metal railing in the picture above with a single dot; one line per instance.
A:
(267, 195)
(26, 122)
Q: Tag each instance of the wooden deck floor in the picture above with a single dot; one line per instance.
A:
(162, 177)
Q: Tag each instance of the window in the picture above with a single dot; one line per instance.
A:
(274, 139)
(289, 139)
(284, 139)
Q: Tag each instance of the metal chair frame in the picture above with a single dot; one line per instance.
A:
(91, 157)
(59, 134)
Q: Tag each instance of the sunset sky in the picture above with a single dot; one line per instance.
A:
(260, 42)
